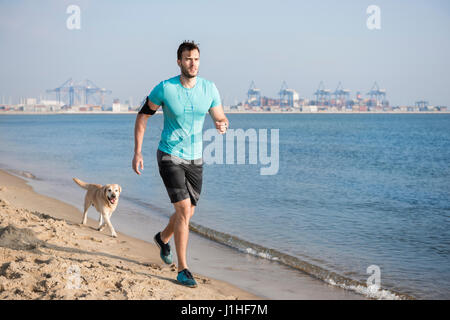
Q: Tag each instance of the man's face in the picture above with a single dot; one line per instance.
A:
(190, 60)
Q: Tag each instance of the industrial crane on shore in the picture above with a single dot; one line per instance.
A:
(322, 95)
(254, 95)
(80, 92)
(341, 95)
(376, 94)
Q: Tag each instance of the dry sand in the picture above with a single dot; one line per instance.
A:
(46, 254)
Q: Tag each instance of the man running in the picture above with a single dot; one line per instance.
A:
(185, 99)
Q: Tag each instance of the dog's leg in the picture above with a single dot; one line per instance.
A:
(87, 204)
(111, 228)
(101, 224)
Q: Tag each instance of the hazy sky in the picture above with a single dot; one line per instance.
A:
(129, 46)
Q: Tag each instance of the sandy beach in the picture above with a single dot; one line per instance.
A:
(46, 254)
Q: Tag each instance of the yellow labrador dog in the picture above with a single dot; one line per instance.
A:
(104, 199)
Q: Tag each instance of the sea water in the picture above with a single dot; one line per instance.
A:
(352, 192)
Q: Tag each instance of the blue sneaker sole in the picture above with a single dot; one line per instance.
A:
(187, 285)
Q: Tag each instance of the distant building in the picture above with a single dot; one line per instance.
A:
(30, 101)
(116, 105)
(40, 108)
(28, 108)
(51, 103)
(310, 108)
(334, 109)
(95, 108)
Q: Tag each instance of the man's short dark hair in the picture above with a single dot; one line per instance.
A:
(187, 46)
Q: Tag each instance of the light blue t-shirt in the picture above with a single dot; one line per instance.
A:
(184, 113)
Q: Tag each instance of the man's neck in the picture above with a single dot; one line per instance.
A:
(188, 82)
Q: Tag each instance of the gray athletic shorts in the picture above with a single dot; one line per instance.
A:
(182, 178)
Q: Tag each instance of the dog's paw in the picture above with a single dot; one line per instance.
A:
(114, 235)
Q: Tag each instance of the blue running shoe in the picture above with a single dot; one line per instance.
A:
(186, 279)
(164, 253)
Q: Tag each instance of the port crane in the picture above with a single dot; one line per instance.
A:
(80, 92)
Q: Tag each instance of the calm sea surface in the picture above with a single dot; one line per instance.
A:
(351, 191)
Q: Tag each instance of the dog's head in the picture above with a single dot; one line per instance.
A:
(112, 193)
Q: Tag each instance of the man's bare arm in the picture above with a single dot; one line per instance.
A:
(139, 130)
(220, 119)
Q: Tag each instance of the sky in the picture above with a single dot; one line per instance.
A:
(130, 46)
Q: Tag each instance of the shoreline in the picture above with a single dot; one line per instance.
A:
(126, 262)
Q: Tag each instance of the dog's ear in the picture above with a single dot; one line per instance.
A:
(120, 189)
(104, 192)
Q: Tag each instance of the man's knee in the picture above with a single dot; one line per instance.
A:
(183, 209)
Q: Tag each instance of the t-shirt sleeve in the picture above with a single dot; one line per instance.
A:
(215, 97)
(157, 94)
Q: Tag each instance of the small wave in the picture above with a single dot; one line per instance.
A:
(23, 174)
(317, 272)
(263, 255)
(372, 292)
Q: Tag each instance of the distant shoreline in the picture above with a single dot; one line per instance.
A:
(229, 112)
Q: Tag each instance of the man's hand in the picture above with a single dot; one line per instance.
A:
(221, 126)
(220, 120)
(138, 161)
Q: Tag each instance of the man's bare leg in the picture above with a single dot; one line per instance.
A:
(179, 227)
(167, 233)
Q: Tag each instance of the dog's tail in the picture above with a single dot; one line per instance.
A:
(82, 184)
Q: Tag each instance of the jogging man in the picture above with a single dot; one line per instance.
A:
(185, 99)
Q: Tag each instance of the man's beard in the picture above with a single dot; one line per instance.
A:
(186, 73)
